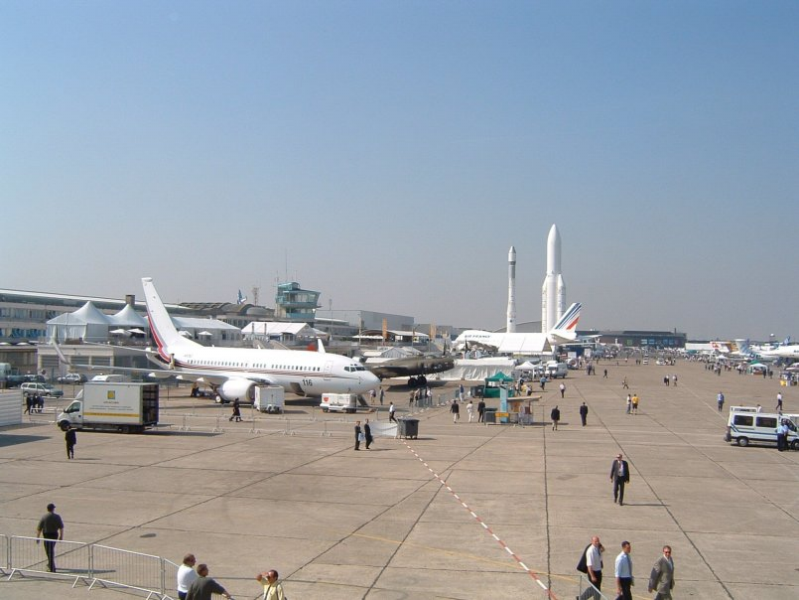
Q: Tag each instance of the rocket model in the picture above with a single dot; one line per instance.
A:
(553, 292)
(511, 325)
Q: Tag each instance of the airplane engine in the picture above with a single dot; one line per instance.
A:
(243, 389)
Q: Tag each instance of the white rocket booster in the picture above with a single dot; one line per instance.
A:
(553, 292)
(511, 324)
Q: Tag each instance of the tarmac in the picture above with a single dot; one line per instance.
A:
(466, 511)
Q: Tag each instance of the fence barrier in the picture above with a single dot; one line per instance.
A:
(93, 564)
(587, 591)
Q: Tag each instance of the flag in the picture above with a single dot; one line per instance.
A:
(241, 299)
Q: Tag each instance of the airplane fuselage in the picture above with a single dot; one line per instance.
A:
(301, 372)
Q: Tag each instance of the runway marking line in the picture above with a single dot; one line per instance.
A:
(485, 526)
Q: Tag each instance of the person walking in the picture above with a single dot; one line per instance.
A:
(470, 410)
(367, 434)
(779, 402)
(236, 411)
(481, 410)
(624, 384)
(635, 404)
(592, 559)
(186, 576)
(391, 411)
(71, 438)
(620, 476)
(555, 416)
(455, 410)
(273, 588)
(562, 388)
(202, 587)
(629, 404)
(624, 573)
(358, 435)
(382, 396)
(720, 401)
(51, 528)
(583, 413)
(661, 579)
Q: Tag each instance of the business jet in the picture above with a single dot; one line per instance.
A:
(234, 372)
(521, 343)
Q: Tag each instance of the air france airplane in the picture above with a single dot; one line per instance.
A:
(236, 371)
(563, 332)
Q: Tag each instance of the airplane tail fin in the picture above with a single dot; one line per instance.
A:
(320, 346)
(566, 328)
(163, 330)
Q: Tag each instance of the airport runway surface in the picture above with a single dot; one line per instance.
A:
(457, 514)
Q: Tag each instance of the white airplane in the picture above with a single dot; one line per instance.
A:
(789, 351)
(520, 343)
(234, 372)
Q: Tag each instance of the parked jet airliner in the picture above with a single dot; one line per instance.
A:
(564, 331)
(236, 371)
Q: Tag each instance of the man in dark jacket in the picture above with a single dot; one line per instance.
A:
(619, 475)
(555, 416)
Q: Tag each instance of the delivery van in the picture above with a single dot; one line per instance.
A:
(339, 403)
(123, 407)
(745, 425)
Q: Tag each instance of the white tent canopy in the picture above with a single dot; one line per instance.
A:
(128, 317)
(87, 324)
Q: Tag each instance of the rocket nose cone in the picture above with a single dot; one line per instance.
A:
(512, 253)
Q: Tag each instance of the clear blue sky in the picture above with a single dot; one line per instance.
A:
(388, 154)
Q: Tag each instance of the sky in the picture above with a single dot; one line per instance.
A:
(388, 154)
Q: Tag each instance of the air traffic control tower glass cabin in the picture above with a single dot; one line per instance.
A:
(294, 304)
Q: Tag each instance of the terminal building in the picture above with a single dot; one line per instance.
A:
(640, 339)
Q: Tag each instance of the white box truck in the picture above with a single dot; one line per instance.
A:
(269, 398)
(339, 403)
(113, 406)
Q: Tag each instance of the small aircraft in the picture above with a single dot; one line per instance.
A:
(411, 367)
(234, 372)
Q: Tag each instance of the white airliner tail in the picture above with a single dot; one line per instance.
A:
(164, 333)
(566, 328)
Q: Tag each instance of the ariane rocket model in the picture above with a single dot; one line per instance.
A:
(553, 292)
(511, 324)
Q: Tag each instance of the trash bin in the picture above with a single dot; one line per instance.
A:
(408, 428)
(490, 415)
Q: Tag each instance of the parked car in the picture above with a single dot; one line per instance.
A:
(40, 389)
(72, 378)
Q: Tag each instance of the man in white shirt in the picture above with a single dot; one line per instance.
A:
(624, 572)
(186, 575)
(593, 562)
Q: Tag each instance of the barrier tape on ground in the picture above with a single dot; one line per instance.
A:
(483, 524)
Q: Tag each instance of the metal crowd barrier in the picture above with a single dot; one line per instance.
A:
(587, 591)
(93, 564)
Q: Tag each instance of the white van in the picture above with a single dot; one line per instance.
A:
(745, 425)
(339, 403)
(557, 369)
(112, 378)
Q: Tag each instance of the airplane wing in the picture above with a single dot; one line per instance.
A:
(164, 370)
